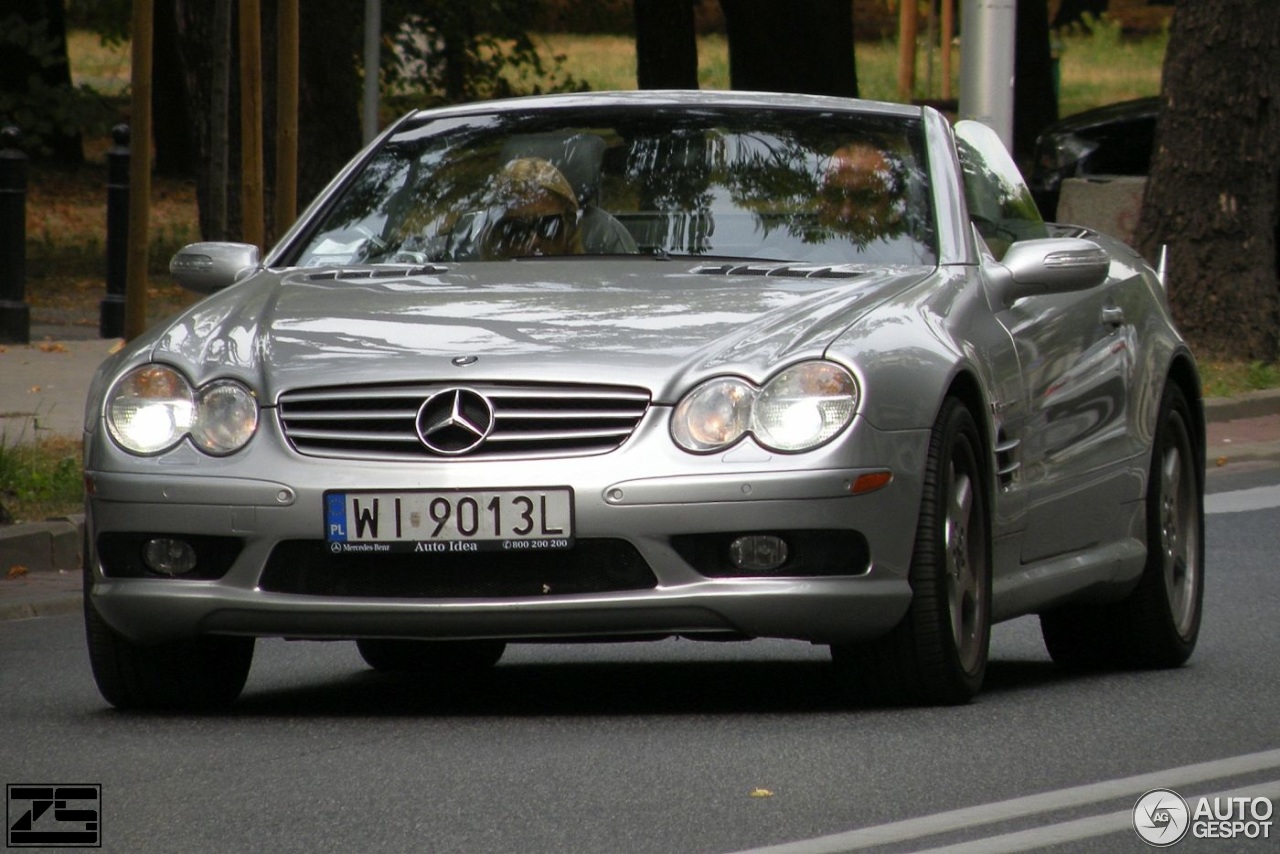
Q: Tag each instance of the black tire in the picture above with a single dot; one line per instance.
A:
(192, 675)
(1158, 623)
(419, 656)
(937, 654)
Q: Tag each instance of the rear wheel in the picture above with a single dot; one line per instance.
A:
(1157, 624)
(197, 674)
(938, 653)
(420, 656)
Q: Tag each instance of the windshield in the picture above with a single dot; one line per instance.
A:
(787, 185)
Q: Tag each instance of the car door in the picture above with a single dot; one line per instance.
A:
(1076, 356)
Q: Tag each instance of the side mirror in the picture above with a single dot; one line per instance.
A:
(1056, 265)
(208, 267)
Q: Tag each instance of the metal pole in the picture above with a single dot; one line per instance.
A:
(986, 64)
(15, 314)
(372, 65)
(111, 308)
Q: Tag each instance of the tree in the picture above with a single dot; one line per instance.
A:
(1035, 101)
(35, 81)
(448, 52)
(666, 45)
(1214, 185)
(777, 47)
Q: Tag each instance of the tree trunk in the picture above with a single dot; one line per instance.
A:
(1215, 177)
(209, 51)
(171, 123)
(1035, 100)
(777, 47)
(329, 101)
(329, 132)
(666, 45)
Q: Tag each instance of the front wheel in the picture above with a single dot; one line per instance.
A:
(1156, 625)
(937, 654)
(193, 675)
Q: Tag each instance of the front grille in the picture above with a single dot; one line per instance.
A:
(529, 420)
(309, 568)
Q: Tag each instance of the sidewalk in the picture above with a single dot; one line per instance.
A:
(43, 386)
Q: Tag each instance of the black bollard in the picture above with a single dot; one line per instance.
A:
(111, 309)
(15, 314)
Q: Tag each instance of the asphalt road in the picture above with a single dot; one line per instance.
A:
(674, 746)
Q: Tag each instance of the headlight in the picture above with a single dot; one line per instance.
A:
(804, 406)
(152, 408)
(799, 409)
(227, 415)
(714, 415)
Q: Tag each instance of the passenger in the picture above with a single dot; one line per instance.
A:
(535, 212)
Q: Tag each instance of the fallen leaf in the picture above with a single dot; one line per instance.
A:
(17, 571)
(761, 793)
(1222, 461)
(35, 389)
(53, 347)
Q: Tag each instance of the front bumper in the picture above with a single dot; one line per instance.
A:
(618, 499)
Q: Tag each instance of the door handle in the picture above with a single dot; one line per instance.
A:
(1113, 316)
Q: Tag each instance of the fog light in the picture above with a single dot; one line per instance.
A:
(758, 552)
(167, 556)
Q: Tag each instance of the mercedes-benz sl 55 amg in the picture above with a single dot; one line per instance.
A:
(633, 365)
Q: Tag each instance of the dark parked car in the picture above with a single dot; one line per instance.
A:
(1113, 140)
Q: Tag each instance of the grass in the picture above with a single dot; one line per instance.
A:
(40, 479)
(1229, 379)
(1103, 68)
(66, 244)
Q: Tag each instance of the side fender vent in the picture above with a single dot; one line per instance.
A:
(1007, 462)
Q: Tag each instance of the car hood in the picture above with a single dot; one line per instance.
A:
(656, 324)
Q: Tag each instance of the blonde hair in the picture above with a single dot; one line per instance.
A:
(526, 178)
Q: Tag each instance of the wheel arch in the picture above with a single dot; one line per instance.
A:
(1183, 372)
(966, 388)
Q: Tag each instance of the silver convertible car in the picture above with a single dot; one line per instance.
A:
(624, 366)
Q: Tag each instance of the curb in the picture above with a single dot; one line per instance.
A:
(1253, 404)
(50, 605)
(45, 558)
(42, 546)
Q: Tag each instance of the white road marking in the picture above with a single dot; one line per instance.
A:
(1046, 802)
(1084, 828)
(1242, 500)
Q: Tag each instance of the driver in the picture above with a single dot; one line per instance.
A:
(537, 213)
(860, 191)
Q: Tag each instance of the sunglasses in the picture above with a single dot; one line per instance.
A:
(516, 231)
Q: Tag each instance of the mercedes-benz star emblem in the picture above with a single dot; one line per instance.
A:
(455, 421)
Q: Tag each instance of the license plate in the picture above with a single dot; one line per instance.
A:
(449, 520)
